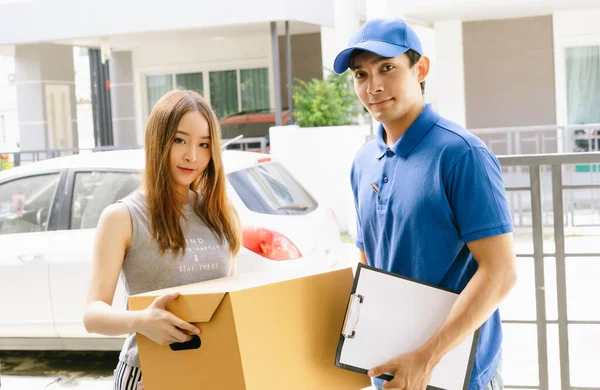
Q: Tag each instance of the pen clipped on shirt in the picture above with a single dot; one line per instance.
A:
(374, 187)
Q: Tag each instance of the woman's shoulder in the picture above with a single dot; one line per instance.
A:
(115, 213)
(123, 209)
(115, 225)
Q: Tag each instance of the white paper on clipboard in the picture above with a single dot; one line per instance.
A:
(389, 315)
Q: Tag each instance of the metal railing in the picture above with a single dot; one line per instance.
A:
(541, 139)
(556, 164)
(16, 158)
(536, 140)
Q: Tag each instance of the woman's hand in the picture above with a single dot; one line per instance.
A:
(163, 327)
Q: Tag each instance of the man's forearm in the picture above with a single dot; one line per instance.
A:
(474, 306)
(362, 257)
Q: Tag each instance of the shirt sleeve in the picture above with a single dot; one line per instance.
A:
(477, 196)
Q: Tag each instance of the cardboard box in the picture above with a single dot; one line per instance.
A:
(260, 331)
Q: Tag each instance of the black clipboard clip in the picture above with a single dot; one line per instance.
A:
(352, 316)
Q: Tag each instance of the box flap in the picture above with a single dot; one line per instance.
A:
(198, 301)
(239, 282)
(190, 307)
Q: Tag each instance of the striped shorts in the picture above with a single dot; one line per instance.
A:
(126, 377)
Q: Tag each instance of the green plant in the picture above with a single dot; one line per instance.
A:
(328, 102)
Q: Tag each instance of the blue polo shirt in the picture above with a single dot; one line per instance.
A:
(420, 201)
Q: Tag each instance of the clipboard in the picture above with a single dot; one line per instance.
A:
(388, 315)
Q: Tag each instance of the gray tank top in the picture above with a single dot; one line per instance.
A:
(144, 269)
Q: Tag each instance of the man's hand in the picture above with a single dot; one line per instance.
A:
(412, 371)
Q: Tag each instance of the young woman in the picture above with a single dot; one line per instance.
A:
(178, 228)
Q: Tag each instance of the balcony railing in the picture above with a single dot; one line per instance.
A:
(567, 314)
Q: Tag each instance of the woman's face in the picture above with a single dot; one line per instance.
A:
(190, 151)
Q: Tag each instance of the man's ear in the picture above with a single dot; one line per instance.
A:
(422, 67)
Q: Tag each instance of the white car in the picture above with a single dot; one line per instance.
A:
(48, 215)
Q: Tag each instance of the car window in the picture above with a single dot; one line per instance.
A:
(25, 203)
(94, 191)
(270, 189)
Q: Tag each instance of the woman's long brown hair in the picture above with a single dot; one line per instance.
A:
(212, 206)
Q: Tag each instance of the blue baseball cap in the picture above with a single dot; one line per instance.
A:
(384, 37)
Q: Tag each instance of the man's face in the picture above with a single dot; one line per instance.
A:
(387, 87)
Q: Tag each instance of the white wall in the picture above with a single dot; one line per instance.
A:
(571, 28)
(321, 158)
(334, 39)
(68, 19)
(328, 48)
(8, 90)
(11, 128)
(450, 72)
(8, 104)
(194, 55)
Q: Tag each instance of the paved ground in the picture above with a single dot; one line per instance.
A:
(57, 370)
